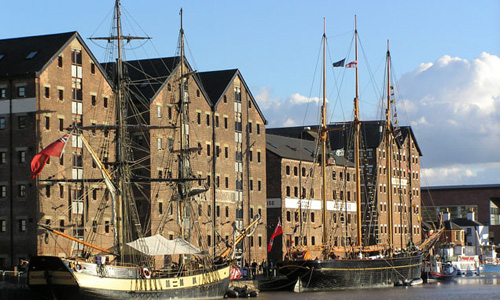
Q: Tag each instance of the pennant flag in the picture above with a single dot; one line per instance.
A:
(395, 115)
(41, 158)
(352, 64)
(339, 63)
(397, 121)
(277, 231)
(393, 101)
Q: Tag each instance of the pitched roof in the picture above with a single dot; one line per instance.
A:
(466, 222)
(147, 75)
(29, 55)
(215, 83)
(340, 134)
(297, 149)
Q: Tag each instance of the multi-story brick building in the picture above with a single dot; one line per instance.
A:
(226, 126)
(48, 84)
(483, 201)
(404, 174)
(295, 195)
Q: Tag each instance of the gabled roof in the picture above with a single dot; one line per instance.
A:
(147, 76)
(16, 59)
(340, 134)
(216, 83)
(463, 222)
(449, 225)
(297, 149)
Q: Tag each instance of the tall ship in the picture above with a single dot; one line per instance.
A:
(360, 261)
(141, 263)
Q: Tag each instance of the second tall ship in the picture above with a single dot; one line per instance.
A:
(352, 265)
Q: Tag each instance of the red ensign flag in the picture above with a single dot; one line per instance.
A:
(40, 159)
(277, 231)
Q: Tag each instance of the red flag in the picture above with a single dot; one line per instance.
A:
(277, 231)
(352, 64)
(41, 158)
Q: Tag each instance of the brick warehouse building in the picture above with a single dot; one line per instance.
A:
(229, 129)
(483, 200)
(405, 177)
(45, 90)
(48, 83)
(294, 196)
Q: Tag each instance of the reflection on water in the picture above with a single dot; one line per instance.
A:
(463, 288)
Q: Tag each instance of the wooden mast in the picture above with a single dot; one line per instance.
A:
(323, 140)
(388, 148)
(357, 124)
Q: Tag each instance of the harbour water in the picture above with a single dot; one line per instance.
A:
(463, 288)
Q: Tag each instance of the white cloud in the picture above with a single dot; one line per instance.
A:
(455, 107)
(461, 174)
(295, 110)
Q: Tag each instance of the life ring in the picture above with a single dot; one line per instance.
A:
(77, 267)
(146, 273)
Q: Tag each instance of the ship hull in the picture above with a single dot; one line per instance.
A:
(55, 278)
(324, 275)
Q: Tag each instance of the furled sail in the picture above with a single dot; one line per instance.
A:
(158, 245)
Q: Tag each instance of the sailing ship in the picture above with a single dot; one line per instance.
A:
(354, 265)
(128, 269)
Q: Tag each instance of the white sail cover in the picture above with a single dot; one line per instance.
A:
(158, 245)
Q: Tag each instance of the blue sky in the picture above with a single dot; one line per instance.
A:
(276, 44)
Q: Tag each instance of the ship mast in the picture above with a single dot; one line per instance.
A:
(123, 170)
(388, 148)
(323, 140)
(184, 141)
(357, 124)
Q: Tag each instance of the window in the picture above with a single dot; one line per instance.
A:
(3, 191)
(225, 122)
(2, 123)
(226, 152)
(21, 122)
(22, 190)
(3, 157)
(47, 191)
(259, 185)
(47, 92)
(227, 182)
(21, 225)
(217, 150)
(251, 184)
(295, 171)
(160, 146)
(106, 226)
(47, 123)
(288, 191)
(94, 100)
(197, 93)
(76, 57)
(258, 156)
(21, 91)
(225, 99)
(160, 208)
(249, 127)
(287, 170)
(198, 118)
(61, 124)
(31, 55)
(169, 111)
(60, 61)
(92, 68)
(3, 225)
(61, 95)
(158, 111)
(288, 216)
(208, 119)
(105, 102)
(258, 128)
(22, 157)
(208, 149)
(217, 121)
(250, 155)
